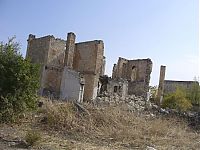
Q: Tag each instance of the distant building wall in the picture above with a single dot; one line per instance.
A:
(170, 86)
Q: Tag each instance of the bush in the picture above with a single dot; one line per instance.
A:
(19, 82)
(32, 137)
(177, 100)
(193, 94)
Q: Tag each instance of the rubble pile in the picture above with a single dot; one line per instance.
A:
(141, 107)
(133, 103)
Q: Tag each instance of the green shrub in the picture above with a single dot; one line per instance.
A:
(18, 84)
(177, 100)
(32, 137)
(193, 94)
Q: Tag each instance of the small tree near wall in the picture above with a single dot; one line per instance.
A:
(18, 84)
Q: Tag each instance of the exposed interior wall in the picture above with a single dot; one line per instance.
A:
(113, 86)
(117, 87)
(52, 81)
(71, 87)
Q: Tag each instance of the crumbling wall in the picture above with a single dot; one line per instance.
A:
(109, 86)
(121, 68)
(38, 48)
(56, 52)
(102, 69)
(46, 50)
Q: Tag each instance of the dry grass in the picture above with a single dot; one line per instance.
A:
(114, 126)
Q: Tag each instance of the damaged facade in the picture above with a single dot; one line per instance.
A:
(111, 86)
(136, 72)
(69, 70)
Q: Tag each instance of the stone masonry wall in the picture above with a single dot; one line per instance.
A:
(38, 48)
(51, 81)
(56, 52)
(85, 57)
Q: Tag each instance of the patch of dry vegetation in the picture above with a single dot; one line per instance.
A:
(116, 127)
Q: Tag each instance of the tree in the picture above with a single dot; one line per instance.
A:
(194, 93)
(19, 81)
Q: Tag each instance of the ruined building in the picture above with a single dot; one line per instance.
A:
(136, 72)
(69, 70)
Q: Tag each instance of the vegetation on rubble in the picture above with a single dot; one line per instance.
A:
(117, 126)
(193, 94)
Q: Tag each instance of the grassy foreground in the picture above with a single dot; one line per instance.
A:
(58, 125)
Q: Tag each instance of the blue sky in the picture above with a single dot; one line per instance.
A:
(164, 30)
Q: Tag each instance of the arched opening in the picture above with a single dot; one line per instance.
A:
(134, 73)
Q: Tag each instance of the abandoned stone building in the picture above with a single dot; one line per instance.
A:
(69, 70)
(75, 71)
(136, 72)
